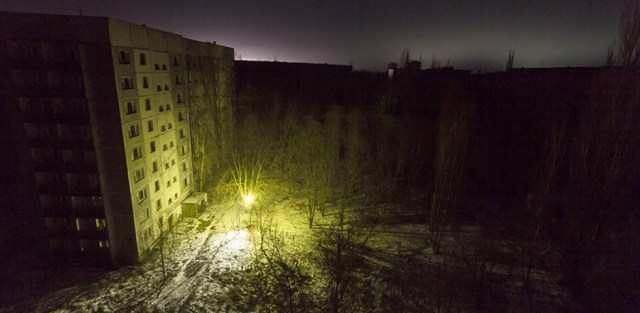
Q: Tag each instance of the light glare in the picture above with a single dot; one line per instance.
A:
(248, 199)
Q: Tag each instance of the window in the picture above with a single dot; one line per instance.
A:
(162, 128)
(175, 180)
(85, 132)
(164, 67)
(127, 83)
(166, 87)
(157, 183)
(168, 183)
(183, 149)
(157, 66)
(142, 195)
(166, 166)
(146, 213)
(143, 59)
(101, 224)
(103, 244)
(147, 104)
(146, 235)
(180, 116)
(134, 131)
(152, 146)
(154, 166)
(168, 107)
(173, 161)
(150, 125)
(179, 98)
(145, 82)
(158, 204)
(164, 147)
(182, 133)
(170, 126)
(186, 182)
(176, 61)
(137, 153)
(170, 144)
(131, 108)
(184, 167)
(123, 57)
(72, 54)
(158, 88)
(178, 80)
(160, 108)
(138, 175)
(176, 196)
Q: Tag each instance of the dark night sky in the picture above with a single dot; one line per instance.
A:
(472, 34)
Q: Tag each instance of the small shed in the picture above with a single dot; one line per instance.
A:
(195, 204)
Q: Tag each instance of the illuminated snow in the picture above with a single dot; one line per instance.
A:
(233, 248)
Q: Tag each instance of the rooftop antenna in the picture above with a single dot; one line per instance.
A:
(512, 54)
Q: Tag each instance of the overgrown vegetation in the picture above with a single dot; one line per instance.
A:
(389, 226)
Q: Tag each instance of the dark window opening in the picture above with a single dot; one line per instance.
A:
(131, 108)
(127, 83)
(123, 57)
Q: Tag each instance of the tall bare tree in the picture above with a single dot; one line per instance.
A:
(453, 133)
(211, 118)
(605, 170)
(312, 163)
(538, 214)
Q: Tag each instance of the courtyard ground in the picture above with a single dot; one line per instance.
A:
(208, 262)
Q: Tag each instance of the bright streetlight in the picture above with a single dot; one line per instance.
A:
(248, 199)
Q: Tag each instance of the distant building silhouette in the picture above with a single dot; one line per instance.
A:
(513, 112)
(97, 113)
(304, 82)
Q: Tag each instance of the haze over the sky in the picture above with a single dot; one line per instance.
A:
(472, 34)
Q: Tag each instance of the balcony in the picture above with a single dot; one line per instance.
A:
(93, 234)
(56, 118)
(80, 167)
(61, 211)
(61, 188)
(72, 233)
(61, 143)
(48, 165)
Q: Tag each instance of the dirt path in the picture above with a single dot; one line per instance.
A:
(224, 249)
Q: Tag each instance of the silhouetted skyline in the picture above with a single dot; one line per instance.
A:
(369, 34)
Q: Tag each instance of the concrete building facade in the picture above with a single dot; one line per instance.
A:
(100, 125)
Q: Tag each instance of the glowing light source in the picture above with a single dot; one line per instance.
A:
(248, 199)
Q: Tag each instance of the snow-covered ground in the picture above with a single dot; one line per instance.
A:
(195, 259)
(208, 265)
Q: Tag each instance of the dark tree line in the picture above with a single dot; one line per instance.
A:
(556, 195)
